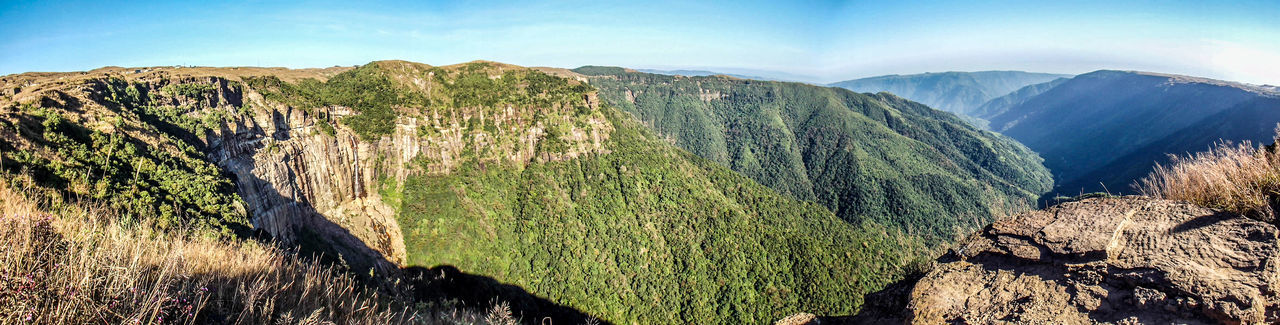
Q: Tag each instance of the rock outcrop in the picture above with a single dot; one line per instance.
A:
(1107, 260)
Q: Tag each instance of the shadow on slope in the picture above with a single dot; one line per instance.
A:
(446, 284)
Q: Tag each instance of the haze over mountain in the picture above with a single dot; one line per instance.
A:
(1102, 130)
(865, 156)
(956, 92)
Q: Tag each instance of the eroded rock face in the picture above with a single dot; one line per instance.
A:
(1107, 260)
(303, 185)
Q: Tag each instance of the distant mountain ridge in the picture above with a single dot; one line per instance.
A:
(1102, 130)
(956, 92)
(1003, 103)
(752, 74)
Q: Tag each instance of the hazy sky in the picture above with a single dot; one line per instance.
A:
(835, 40)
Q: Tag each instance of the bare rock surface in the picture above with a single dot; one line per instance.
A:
(1106, 260)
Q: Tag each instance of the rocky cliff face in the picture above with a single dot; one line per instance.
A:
(301, 184)
(1108, 260)
(301, 174)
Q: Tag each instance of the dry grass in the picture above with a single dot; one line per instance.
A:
(76, 266)
(1237, 178)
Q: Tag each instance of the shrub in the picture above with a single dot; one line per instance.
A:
(327, 128)
(1242, 179)
(193, 90)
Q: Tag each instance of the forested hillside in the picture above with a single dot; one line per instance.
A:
(875, 158)
(1102, 130)
(501, 179)
(648, 233)
(956, 92)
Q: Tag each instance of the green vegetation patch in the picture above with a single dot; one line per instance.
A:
(193, 90)
(648, 234)
(169, 182)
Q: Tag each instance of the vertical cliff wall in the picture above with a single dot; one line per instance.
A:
(302, 185)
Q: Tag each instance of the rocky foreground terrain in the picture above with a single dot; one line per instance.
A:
(1104, 260)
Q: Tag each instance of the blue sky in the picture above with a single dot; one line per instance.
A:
(829, 41)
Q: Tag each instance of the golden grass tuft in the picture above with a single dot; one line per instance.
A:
(1242, 179)
(77, 265)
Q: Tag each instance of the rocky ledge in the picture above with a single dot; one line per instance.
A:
(1105, 260)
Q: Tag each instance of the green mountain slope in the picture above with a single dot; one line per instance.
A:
(517, 177)
(867, 157)
(1102, 130)
(956, 92)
